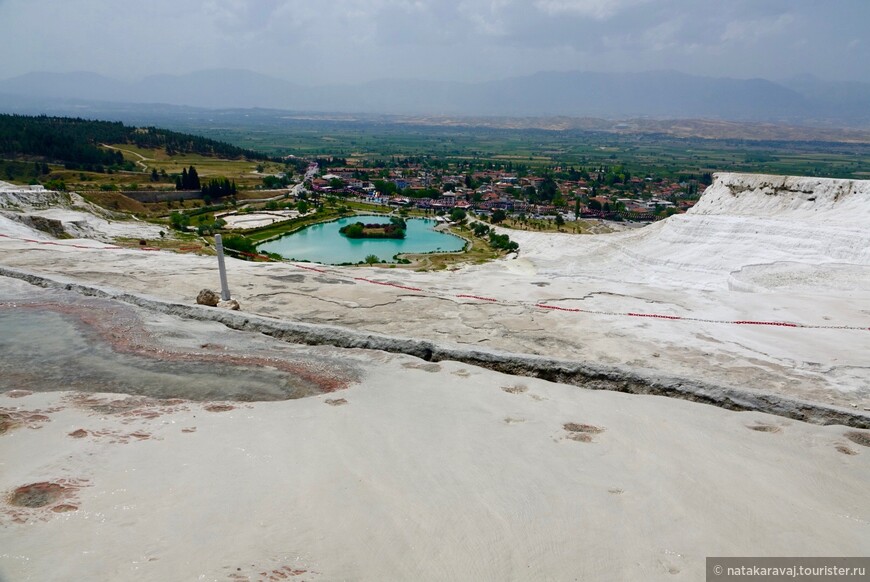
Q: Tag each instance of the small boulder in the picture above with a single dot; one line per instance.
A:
(208, 297)
(230, 304)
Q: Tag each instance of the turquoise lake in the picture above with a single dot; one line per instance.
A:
(322, 243)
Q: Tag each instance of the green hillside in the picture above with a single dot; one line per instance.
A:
(75, 143)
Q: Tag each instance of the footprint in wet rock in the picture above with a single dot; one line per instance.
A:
(463, 373)
(859, 437)
(763, 427)
(581, 432)
(586, 428)
(335, 401)
(846, 450)
(516, 389)
(219, 407)
(208, 346)
(64, 508)
(513, 420)
(424, 367)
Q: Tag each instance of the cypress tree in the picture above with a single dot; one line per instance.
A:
(194, 178)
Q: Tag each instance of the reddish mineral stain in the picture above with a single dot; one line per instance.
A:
(18, 393)
(6, 422)
(37, 494)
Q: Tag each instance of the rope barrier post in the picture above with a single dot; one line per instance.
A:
(219, 247)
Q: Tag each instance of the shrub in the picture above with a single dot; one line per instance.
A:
(240, 243)
(502, 242)
(179, 220)
(480, 229)
(354, 230)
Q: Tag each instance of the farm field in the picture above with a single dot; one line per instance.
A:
(661, 154)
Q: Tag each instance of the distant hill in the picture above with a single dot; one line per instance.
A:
(75, 142)
(849, 99)
(661, 94)
(212, 89)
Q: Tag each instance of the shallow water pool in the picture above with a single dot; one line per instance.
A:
(322, 243)
(44, 351)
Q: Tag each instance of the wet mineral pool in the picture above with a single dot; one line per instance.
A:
(37, 495)
(322, 243)
(44, 351)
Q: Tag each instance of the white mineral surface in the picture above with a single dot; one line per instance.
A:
(446, 471)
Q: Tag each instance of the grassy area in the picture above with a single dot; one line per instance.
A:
(120, 203)
(476, 252)
(176, 241)
(259, 235)
(573, 227)
(21, 171)
(659, 154)
(243, 172)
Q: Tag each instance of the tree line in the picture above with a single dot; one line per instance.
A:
(213, 189)
(75, 142)
(71, 142)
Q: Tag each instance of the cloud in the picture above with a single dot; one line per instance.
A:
(355, 40)
(597, 9)
(759, 29)
(488, 18)
(241, 14)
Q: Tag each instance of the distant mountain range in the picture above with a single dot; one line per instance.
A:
(663, 94)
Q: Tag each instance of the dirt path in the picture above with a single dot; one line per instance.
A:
(140, 161)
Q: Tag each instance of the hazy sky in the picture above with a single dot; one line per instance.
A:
(316, 41)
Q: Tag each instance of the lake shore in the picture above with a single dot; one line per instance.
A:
(324, 243)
